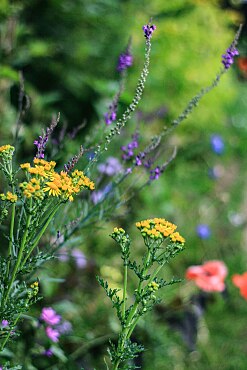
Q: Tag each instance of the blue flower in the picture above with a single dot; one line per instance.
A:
(217, 144)
(203, 231)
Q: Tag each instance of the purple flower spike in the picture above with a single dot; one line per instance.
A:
(217, 144)
(125, 61)
(155, 174)
(110, 117)
(228, 57)
(148, 31)
(203, 231)
(50, 316)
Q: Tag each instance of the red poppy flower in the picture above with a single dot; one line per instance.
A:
(209, 277)
(241, 282)
(242, 64)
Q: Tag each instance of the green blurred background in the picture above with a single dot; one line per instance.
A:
(67, 52)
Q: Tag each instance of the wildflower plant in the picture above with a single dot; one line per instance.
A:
(37, 192)
(34, 192)
(162, 243)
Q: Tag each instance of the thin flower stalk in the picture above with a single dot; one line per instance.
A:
(130, 109)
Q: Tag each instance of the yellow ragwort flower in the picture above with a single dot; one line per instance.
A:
(6, 151)
(159, 228)
(9, 196)
(52, 188)
(176, 237)
(25, 166)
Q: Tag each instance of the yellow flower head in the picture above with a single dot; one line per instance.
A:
(6, 151)
(157, 228)
(52, 188)
(25, 166)
(44, 180)
(176, 237)
(9, 196)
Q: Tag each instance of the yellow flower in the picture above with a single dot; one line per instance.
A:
(159, 228)
(25, 166)
(9, 196)
(52, 188)
(6, 151)
(176, 237)
(6, 148)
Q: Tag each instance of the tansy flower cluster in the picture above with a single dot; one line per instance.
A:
(43, 179)
(6, 151)
(9, 197)
(159, 228)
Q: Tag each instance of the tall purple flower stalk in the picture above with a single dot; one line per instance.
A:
(42, 140)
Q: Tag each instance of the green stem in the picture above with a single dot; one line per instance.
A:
(37, 239)
(41, 217)
(125, 288)
(129, 326)
(22, 247)
(11, 239)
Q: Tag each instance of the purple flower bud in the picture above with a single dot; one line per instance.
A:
(110, 117)
(125, 60)
(138, 161)
(228, 57)
(148, 30)
(155, 174)
(48, 353)
(128, 149)
(217, 144)
(203, 231)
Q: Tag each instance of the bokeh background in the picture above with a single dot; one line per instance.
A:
(64, 54)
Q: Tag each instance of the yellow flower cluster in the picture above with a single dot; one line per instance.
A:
(6, 151)
(118, 230)
(176, 237)
(159, 228)
(35, 289)
(44, 179)
(153, 286)
(9, 196)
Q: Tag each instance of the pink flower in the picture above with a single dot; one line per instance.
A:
(209, 277)
(53, 334)
(50, 316)
(241, 282)
(4, 324)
